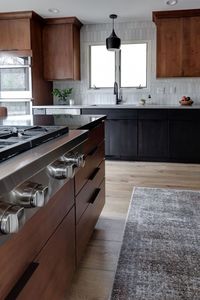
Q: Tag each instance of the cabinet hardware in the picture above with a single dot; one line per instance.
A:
(22, 281)
(93, 151)
(94, 173)
(94, 196)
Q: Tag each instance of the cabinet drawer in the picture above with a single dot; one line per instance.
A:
(88, 221)
(93, 159)
(184, 114)
(88, 192)
(56, 265)
(17, 253)
(95, 137)
(153, 114)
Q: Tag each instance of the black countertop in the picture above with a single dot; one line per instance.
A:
(72, 121)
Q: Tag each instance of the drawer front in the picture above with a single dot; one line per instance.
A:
(88, 221)
(17, 253)
(87, 194)
(113, 113)
(153, 114)
(95, 136)
(93, 159)
(56, 265)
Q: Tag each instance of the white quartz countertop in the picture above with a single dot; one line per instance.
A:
(114, 106)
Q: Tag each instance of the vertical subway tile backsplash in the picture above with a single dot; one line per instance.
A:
(163, 91)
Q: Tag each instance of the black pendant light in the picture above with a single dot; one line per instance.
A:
(113, 42)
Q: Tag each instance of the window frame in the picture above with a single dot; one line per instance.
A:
(118, 66)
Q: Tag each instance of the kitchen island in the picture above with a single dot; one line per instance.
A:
(39, 260)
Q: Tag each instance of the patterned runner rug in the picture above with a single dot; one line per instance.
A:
(160, 254)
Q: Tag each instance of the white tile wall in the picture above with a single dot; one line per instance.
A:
(163, 91)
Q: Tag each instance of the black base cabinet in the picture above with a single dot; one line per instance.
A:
(153, 141)
(184, 138)
(152, 134)
(121, 138)
(168, 135)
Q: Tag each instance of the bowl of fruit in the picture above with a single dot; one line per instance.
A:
(186, 101)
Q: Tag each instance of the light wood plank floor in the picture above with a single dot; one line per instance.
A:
(94, 278)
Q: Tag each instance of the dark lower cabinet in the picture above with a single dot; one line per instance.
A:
(184, 140)
(153, 139)
(121, 138)
(149, 134)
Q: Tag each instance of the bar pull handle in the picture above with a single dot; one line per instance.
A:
(18, 287)
(94, 196)
(94, 173)
(92, 152)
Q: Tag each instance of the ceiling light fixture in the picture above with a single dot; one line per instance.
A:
(113, 42)
(54, 10)
(172, 2)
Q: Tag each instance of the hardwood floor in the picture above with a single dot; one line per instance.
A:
(94, 278)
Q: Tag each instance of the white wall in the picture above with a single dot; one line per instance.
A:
(163, 91)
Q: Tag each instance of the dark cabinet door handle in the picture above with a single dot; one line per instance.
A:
(94, 173)
(94, 196)
(22, 281)
(92, 152)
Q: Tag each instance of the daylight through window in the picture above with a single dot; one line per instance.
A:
(130, 66)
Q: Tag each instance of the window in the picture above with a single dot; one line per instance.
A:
(128, 66)
(102, 67)
(15, 77)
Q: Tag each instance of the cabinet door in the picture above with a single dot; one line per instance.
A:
(191, 48)
(58, 51)
(153, 139)
(121, 138)
(184, 141)
(169, 47)
(15, 34)
(56, 265)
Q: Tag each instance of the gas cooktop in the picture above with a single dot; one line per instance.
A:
(16, 139)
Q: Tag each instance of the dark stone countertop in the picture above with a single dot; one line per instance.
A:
(72, 121)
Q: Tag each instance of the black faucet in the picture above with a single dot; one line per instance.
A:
(116, 92)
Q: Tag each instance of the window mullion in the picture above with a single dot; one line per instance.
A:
(117, 67)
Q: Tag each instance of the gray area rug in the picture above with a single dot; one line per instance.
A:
(160, 254)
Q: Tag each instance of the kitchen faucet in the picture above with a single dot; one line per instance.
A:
(116, 92)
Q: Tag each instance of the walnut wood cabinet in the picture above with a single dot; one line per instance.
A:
(55, 265)
(178, 43)
(61, 40)
(21, 35)
(21, 250)
(90, 189)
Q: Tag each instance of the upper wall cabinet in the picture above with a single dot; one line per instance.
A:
(61, 40)
(178, 43)
(15, 31)
(21, 35)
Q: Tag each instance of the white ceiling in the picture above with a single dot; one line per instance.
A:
(97, 11)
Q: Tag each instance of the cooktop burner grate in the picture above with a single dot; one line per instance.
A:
(17, 139)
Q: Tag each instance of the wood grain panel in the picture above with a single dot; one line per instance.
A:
(191, 53)
(92, 160)
(169, 48)
(87, 192)
(58, 51)
(88, 221)
(41, 89)
(56, 261)
(15, 34)
(17, 253)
